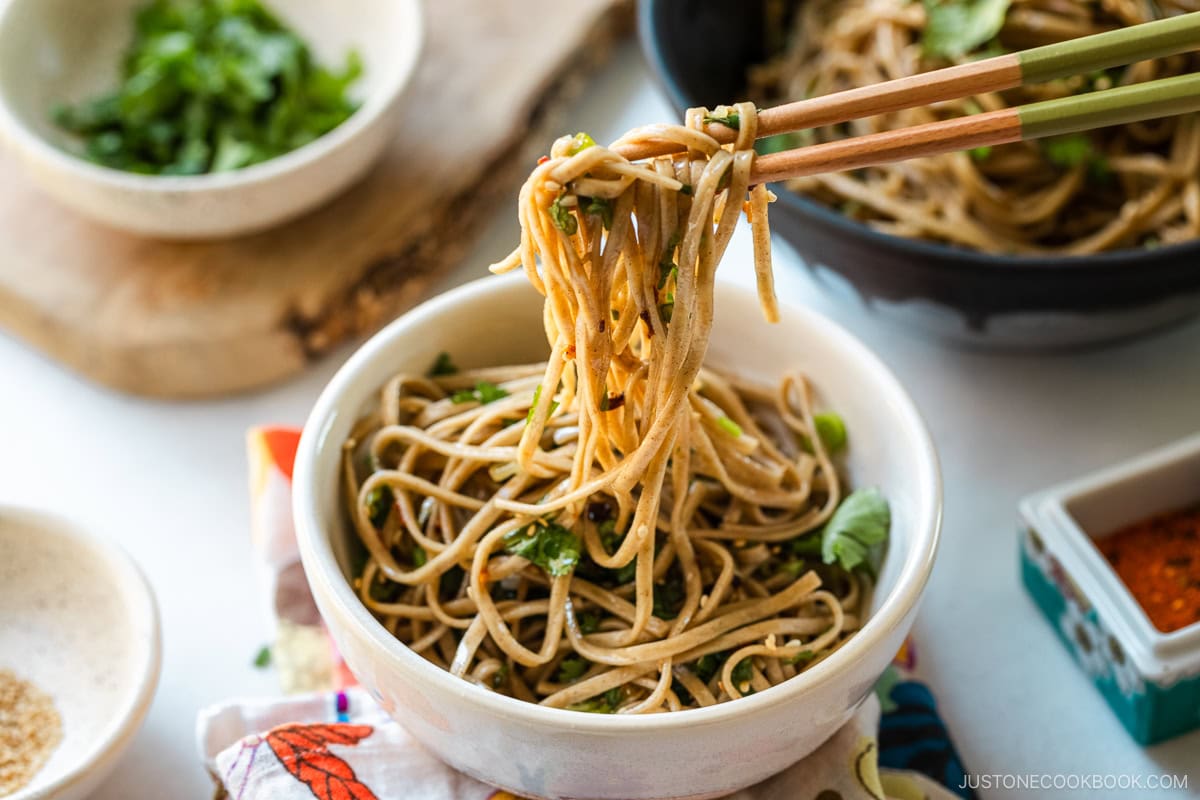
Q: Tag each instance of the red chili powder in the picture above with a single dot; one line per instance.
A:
(1159, 560)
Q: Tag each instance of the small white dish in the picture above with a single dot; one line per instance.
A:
(78, 620)
(1150, 679)
(534, 751)
(56, 51)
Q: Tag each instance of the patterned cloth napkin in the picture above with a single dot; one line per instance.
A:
(327, 739)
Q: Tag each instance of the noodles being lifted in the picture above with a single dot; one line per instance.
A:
(1135, 185)
(619, 528)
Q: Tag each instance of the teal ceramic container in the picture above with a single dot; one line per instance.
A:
(1150, 679)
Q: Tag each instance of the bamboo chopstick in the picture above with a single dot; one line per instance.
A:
(1161, 98)
(1073, 57)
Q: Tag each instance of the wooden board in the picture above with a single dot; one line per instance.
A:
(202, 319)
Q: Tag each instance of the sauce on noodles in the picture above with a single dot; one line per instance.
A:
(619, 529)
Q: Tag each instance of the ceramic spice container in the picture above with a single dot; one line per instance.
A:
(1149, 677)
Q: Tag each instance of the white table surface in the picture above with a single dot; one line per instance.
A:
(168, 481)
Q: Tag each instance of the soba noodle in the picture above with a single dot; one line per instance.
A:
(1128, 186)
(617, 529)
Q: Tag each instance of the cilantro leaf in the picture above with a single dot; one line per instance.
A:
(606, 703)
(954, 28)
(571, 669)
(598, 206)
(855, 534)
(1075, 150)
(210, 86)
(262, 659)
(489, 392)
(443, 365)
(1071, 150)
(484, 392)
(546, 544)
(742, 672)
(589, 622)
(379, 504)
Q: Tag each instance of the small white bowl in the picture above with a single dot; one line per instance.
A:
(531, 750)
(56, 51)
(78, 619)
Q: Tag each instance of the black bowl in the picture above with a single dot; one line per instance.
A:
(700, 51)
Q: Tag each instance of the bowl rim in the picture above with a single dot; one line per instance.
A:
(931, 253)
(372, 109)
(321, 566)
(132, 585)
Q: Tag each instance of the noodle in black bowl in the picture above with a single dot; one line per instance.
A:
(701, 53)
(535, 750)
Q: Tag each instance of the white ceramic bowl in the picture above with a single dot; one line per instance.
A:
(55, 51)
(553, 753)
(78, 619)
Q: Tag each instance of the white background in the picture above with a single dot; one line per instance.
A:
(168, 481)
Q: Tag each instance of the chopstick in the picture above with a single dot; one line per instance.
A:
(1140, 101)
(1085, 54)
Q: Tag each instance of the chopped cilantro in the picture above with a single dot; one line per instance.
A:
(606, 703)
(808, 544)
(571, 669)
(379, 504)
(483, 393)
(855, 534)
(1075, 150)
(210, 86)
(598, 206)
(669, 596)
(707, 666)
(743, 671)
(954, 28)
(589, 622)
(442, 365)
(262, 659)
(419, 557)
(784, 141)
(546, 544)
(612, 541)
(500, 677)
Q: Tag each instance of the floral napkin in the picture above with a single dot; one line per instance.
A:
(325, 738)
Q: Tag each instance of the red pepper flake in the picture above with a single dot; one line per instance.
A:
(543, 160)
(1158, 559)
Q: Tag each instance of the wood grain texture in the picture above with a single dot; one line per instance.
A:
(960, 133)
(911, 91)
(202, 319)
